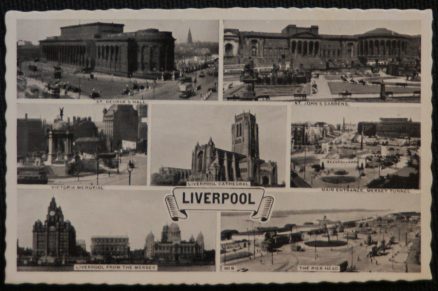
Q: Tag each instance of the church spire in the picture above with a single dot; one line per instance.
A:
(189, 37)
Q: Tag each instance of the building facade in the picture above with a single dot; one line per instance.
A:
(172, 249)
(120, 122)
(391, 127)
(114, 247)
(31, 136)
(56, 237)
(104, 47)
(305, 47)
(398, 127)
(243, 163)
(303, 134)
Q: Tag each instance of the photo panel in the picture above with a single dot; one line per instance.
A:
(356, 148)
(336, 232)
(315, 60)
(131, 231)
(79, 144)
(117, 59)
(220, 143)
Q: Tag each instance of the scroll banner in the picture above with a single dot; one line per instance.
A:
(219, 199)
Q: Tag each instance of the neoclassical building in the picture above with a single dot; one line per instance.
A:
(171, 248)
(305, 47)
(56, 237)
(242, 163)
(104, 47)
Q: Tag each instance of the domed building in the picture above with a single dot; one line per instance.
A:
(171, 249)
(304, 47)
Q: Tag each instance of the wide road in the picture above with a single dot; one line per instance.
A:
(138, 175)
(111, 87)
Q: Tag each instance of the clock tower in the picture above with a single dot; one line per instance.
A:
(56, 237)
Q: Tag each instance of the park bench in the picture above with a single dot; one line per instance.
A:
(233, 98)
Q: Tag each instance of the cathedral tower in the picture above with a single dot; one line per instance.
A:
(189, 37)
(245, 135)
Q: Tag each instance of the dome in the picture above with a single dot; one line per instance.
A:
(174, 227)
(150, 236)
(60, 125)
(381, 32)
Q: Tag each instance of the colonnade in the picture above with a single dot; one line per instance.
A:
(382, 47)
(66, 54)
(305, 47)
(109, 57)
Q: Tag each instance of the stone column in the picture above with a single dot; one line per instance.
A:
(234, 168)
(66, 147)
(50, 153)
(140, 58)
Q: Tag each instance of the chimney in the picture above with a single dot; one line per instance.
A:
(25, 116)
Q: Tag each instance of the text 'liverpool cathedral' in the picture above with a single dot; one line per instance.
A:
(242, 163)
(104, 47)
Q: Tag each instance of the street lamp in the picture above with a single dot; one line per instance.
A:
(130, 169)
(118, 161)
(97, 169)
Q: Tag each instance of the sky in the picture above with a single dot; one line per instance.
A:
(373, 203)
(334, 114)
(175, 130)
(51, 111)
(35, 30)
(110, 212)
(343, 200)
(347, 27)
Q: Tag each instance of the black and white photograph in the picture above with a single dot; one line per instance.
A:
(218, 143)
(120, 170)
(75, 231)
(336, 233)
(358, 61)
(117, 58)
(355, 147)
(82, 144)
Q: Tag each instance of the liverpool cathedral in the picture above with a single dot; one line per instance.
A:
(242, 163)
